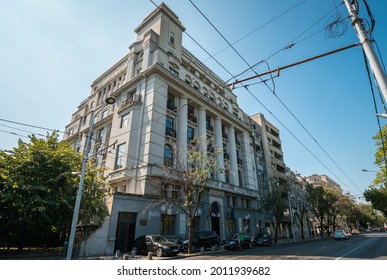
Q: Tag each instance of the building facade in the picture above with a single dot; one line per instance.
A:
(164, 97)
(324, 181)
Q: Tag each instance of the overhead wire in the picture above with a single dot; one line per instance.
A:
(383, 146)
(290, 44)
(258, 28)
(275, 95)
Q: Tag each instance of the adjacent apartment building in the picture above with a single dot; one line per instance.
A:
(164, 97)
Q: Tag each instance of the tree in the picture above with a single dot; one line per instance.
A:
(182, 183)
(377, 192)
(38, 190)
(378, 198)
(319, 204)
(275, 202)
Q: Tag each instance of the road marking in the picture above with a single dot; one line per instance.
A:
(355, 249)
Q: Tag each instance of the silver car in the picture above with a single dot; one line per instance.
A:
(341, 234)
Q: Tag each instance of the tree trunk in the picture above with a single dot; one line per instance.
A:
(276, 232)
(190, 233)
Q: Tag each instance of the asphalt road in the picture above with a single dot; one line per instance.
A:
(369, 246)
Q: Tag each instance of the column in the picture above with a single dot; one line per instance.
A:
(233, 156)
(219, 148)
(130, 69)
(146, 55)
(202, 131)
(182, 130)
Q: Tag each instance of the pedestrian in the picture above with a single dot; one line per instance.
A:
(237, 238)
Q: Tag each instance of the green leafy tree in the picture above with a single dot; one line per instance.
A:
(275, 202)
(38, 189)
(319, 204)
(187, 177)
(377, 192)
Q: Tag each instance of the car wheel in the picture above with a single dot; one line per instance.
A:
(159, 252)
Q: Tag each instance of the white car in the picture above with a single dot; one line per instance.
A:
(341, 234)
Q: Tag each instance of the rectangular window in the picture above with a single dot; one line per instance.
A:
(172, 38)
(124, 120)
(169, 123)
(100, 134)
(173, 71)
(208, 123)
(167, 224)
(190, 133)
(120, 157)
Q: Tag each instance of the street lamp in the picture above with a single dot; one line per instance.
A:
(109, 100)
(365, 170)
(291, 216)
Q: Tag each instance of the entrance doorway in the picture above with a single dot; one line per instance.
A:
(126, 228)
(215, 218)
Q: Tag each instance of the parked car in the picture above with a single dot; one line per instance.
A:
(205, 239)
(355, 231)
(262, 239)
(156, 244)
(341, 234)
(244, 239)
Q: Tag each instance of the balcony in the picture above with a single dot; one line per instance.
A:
(239, 161)
(226, 156)
(210, 149)
(210, 128)
(136, 99)
(171, 106)
(192, 118)
(225, 136)
(170, 132)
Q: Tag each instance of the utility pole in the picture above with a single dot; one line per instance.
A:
(369, 51)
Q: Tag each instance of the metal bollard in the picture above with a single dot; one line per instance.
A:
(150, 256)
(202, 250)
(132, 254)
(125, 257)
(117, 253)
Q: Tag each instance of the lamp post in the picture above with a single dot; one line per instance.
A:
(109, 100)
(291, 216)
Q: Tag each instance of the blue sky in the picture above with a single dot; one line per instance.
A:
(51, 52)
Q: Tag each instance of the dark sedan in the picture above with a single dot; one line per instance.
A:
(262, 239)
(156, 244)
(244, 240)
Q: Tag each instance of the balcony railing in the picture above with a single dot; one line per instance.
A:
(171, 132)
(226, 156)
(171, 106)
(239, 161)
(192, 118)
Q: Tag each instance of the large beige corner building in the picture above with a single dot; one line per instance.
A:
(164, 97)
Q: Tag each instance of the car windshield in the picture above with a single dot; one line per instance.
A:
(158, 238)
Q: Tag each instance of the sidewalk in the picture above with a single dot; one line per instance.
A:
(59, 255)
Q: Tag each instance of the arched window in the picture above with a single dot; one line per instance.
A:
(196, 86)
(168, 155)
(188, 80)
(205, 91)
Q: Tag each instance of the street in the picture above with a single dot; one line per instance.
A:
(367, 246)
